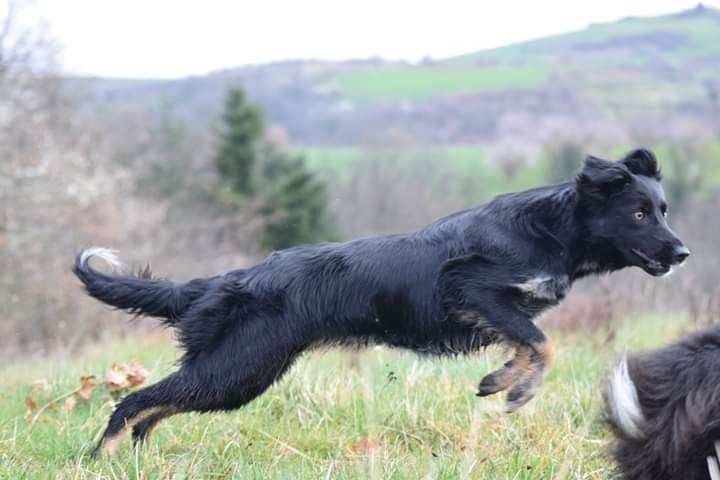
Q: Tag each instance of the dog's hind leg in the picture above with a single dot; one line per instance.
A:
(141, 431)
(236, 372)
(153, 402)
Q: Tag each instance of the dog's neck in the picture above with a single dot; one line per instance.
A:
(558, 216)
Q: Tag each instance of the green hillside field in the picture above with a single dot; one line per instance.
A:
(427, 81)
(671, 52)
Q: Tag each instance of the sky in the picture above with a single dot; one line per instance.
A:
(178, 38)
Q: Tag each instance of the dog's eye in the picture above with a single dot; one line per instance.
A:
(639, 216)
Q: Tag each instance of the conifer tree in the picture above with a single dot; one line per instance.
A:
(239, 141)
(296, 207)
(293, 201)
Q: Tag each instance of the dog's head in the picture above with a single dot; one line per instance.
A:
(664, 409)
(625, 208)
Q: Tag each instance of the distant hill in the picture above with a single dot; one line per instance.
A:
(667, 65)
(685, 36)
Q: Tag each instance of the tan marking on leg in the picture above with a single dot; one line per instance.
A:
(165, 413)
(501, 379)
(519, 366)
(546, 351)
(525, 387)
(111, 442)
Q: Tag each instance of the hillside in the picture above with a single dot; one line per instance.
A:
(691, 37)
(607, 72)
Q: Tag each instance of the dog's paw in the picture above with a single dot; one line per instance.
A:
(489, 385)
(519, 395)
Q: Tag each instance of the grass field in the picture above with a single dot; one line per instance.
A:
(388, 414)
(422, 82)
(339, 160)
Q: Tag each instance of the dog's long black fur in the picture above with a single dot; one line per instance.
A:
(664, 408)
(476, 277)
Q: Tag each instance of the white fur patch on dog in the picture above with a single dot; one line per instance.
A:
(545, 287)
(623, 402)
(110, 256)
(713, 468)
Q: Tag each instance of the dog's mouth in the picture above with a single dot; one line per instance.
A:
(650, 265)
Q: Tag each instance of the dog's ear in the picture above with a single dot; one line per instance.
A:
(642, 162)
(600, 179)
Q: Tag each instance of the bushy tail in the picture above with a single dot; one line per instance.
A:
(139, 294)
(622, 404)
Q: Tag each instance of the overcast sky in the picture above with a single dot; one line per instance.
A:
(175, 38)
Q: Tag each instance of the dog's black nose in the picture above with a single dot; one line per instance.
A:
(681, 252)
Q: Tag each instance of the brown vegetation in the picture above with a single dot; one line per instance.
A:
(75, 171)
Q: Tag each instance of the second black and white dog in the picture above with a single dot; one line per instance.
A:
(664, 408)
(468, 280)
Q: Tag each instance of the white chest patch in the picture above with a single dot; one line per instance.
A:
(545, 287)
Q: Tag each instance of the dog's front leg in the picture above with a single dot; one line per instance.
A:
(523, 374)
(541, 359)
(504, 377)
(477, 292)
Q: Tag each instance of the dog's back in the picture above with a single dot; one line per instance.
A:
(664, 409)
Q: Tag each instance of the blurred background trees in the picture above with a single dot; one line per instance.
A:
(209, 173)
(562, 159)
(46, 185)
(253, 170)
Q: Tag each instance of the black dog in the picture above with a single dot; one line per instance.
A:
(664, 408)
(473, 278)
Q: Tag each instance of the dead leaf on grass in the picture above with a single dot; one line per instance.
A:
(30, 407)
(87, 385)
(365, 445)
(137, 374)
(122, 375)
(30, 404)
(69, 404)
(116, 377)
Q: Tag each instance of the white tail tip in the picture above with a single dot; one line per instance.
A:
(623, 402)
(110, 256)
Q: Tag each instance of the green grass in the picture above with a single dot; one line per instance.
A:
(423, 82)
(421, 415)
(339, 160)
(336, 161)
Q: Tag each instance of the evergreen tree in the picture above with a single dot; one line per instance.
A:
(296, 204)
(293, 200)
(237, 154)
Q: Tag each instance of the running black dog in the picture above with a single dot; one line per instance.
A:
(468, 280)
(664, 407)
